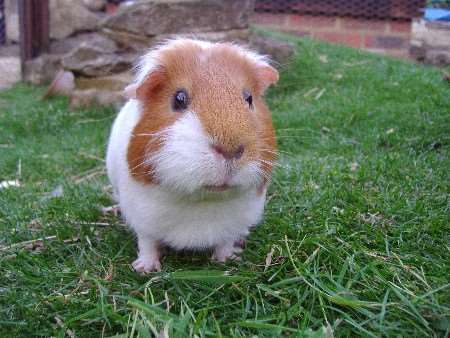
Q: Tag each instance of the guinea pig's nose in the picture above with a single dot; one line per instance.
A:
(235, 154)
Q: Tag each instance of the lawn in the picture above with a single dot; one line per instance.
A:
(355, 240)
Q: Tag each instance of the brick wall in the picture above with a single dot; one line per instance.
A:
(386, 37)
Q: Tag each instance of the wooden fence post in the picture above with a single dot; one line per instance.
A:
(34, 29)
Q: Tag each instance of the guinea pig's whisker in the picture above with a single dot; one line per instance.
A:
(150, 172)
(262, 175)
(295, 137)
(279, 165)
(269, 151)
(145, 160)
(275, 153)
(153, 141)
(278, 152)
(266, 162)
(156, 141)
(139, 165)
(258, 172)
(259, 165)
(264, 172)
(274, 164)
(159, 133)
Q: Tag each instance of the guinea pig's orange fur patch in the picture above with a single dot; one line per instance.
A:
(214, 79)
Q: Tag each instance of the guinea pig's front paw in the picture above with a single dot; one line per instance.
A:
(222, 253)
(146, 264)
(113, 210)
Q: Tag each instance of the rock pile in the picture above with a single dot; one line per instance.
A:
(430, 42)
(101, 48)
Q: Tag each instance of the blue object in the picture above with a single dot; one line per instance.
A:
(437, 14)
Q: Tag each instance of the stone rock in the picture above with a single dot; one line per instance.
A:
(12, 50)
(140, 43)
(279, 51)
(43, 69)
(70, 16)
(66, 45)
(434, 34)
(156, 17)
(10, 70)
(438, 57)
(116, 82)
(430, 42)
(95, 5)
(233, 35)
(417, 52)
(129, 41)
(94, 60)
(99, 97)
(12, 20)
(62, 84)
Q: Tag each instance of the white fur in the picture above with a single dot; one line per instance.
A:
(180, 211)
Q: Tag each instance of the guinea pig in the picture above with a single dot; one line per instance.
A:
(191, 153)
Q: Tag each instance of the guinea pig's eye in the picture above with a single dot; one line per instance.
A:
(180, 100)
(248, 98)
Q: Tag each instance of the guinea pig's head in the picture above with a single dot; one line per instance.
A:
(204, 125)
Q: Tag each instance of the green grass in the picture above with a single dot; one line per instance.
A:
(357, 217)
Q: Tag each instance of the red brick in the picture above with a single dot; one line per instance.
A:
(296, 21)
(349, 39)
(385, 41)
(364, 25)
(269, 19)
(403, 27)
(369, 41)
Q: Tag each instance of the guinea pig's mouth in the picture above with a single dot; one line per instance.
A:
(218, 188)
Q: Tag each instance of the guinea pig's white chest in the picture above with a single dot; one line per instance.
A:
(182, 223)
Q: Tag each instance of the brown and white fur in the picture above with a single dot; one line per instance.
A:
(197, 178)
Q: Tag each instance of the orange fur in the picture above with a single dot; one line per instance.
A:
(214, 80)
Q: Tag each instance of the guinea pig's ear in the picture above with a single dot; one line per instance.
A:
(267, 76)
(141, 90)
(130, 91)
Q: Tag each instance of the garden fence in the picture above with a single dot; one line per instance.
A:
(368, 9)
